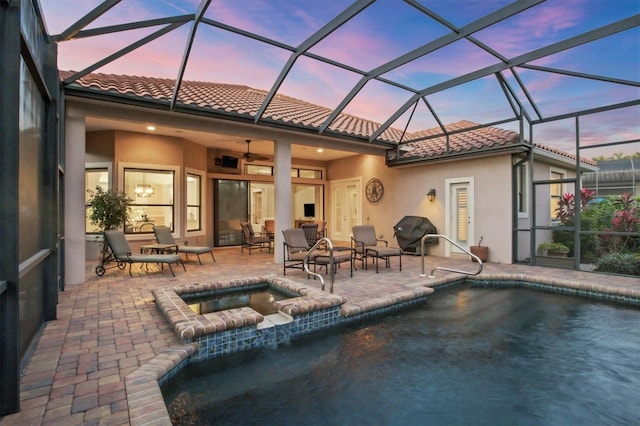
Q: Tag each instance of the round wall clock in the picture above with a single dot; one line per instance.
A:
(374, 190)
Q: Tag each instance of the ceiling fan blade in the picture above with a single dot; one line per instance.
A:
(249, 157)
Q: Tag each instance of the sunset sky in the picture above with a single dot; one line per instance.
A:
(381, 32)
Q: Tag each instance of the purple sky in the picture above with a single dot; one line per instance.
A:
(380, 33)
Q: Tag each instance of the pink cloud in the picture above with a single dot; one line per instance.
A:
(529, 30)
(360, 50)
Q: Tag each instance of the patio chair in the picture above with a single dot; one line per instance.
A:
(163, 236)
(296, 247)
(310, 232)
(122, 253)
(365, 244)
(270, 228)
(322, 228)
(252, 241)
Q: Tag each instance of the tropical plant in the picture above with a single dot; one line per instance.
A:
(566, 213)
(109, 209)
(566, 208)
(622, 215)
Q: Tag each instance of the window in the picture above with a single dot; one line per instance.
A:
(461, 198)
(194, 202)
(153, 194)
(555, 190)
(522, 188)
(254, 169)
(306, 173)
(260, 170)
(94, 178)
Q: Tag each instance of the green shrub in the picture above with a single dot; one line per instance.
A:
(546, 247)
(619, 263)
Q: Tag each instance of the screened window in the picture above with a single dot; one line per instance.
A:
(94, 178)
(153, 194)
(555, 190)
(194, 202)
(522, 184)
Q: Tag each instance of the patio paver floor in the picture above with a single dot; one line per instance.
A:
(108, 327)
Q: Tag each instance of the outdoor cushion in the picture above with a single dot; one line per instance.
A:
(163, 236)
(122, 252)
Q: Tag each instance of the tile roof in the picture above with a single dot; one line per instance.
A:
(241, 100)
(466, 137)
(427, 143)
(231, 99)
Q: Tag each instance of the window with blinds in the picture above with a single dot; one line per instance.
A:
(462, 209)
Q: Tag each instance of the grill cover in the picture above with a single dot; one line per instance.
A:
(410, 230)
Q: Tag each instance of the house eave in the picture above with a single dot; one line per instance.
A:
(95, 95)
(448, 157)
(562, 160)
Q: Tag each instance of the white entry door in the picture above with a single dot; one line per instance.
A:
(346, 209)
(460, 220)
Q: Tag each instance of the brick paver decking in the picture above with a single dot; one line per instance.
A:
(109, 327)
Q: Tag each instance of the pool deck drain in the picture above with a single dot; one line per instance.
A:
(100, 361)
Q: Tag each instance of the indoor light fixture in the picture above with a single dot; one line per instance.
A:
(431, 195)
(151, 127)
(144, 190)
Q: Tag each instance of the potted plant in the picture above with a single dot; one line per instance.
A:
(481, 251)
(551, 248)
(109, 209)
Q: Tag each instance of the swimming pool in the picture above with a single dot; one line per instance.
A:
(468, 355)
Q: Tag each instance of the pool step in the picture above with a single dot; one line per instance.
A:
(272, 320)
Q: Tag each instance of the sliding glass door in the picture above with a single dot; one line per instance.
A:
(230, 207)
(236, 201)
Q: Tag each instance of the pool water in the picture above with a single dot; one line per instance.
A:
(467, 356)
(260, 300)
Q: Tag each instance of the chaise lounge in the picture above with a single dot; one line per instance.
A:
(122, 253)
(163, 236)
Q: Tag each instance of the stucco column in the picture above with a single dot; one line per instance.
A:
(282, 180)
(74, 192)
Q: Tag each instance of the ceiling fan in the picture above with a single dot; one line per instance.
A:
(249, 157)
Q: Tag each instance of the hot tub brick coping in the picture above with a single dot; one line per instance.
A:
(188, 325)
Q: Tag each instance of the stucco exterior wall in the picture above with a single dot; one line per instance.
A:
(100, 146)
(406, 194)
(149, 149)
(138, 148)
(195, 155)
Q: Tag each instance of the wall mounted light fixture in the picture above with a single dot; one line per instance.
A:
(431, 195)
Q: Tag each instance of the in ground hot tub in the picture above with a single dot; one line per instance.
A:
(259, 299)
(234, 325)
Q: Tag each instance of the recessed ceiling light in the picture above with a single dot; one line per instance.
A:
(319, 150)
(151, 128)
